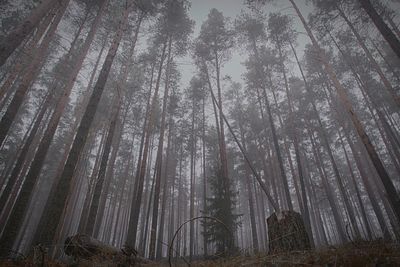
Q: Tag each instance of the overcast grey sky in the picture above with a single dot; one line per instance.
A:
(230, 8)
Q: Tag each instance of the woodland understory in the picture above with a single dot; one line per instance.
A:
(128, 139)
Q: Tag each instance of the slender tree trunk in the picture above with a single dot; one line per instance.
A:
(389, 36)
(165, 191)
(358, 194)
(99, 187)
(314, 208)
(157, 187)
(385, 232)
(91, 180)
(224, 163)
(144, 226)
(137, 200)
(217, 126)
(23, 154)
(36, 166)
(366, 93)
(306, 215)
(16, 180)
(78, 114)
(122, 189)
(27, 54)
(102, 171)
(393, 25)
(266, 155)
(328, 190)
(30, 74)
(274, 135)
(287, 150)
(373, 155)
(17, 36)
(375, 65)
(172, 206)
(109, 173)
(244, 153)
(389, 65)
(15, 220)
(55, 205)
(140, 152)
(203, 143)
(330, 196)
(250, 196)
(192, 179)
(11, 161)
(368, 187)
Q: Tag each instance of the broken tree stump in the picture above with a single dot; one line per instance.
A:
(286, 232)
(86, 248)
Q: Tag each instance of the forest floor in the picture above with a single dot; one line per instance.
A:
(377, 253)
(354, 254)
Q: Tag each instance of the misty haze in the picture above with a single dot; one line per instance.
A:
(199, 133)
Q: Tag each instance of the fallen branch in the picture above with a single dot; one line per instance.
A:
(183, 224)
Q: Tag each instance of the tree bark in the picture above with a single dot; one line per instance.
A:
(15, 220)
(328, 190)
(203, 143)
(389, 36)
(373, 155)
(137, 199)
(358, 194)
(165, 191)
(193, 146)
(375, 65)
(16, 37)
(116, 107)
(56, 205)
(273, 131)
(249, 196)
(157, 186)
(369, 188)
(40, 155)
(27, 54)
(103, 165)
(91, 181)
(30, 74)
(23, 154)
(224, 163)
(306, 215)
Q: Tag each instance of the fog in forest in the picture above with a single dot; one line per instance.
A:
(199, 132)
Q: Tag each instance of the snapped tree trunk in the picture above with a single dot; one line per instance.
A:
(286, 232)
